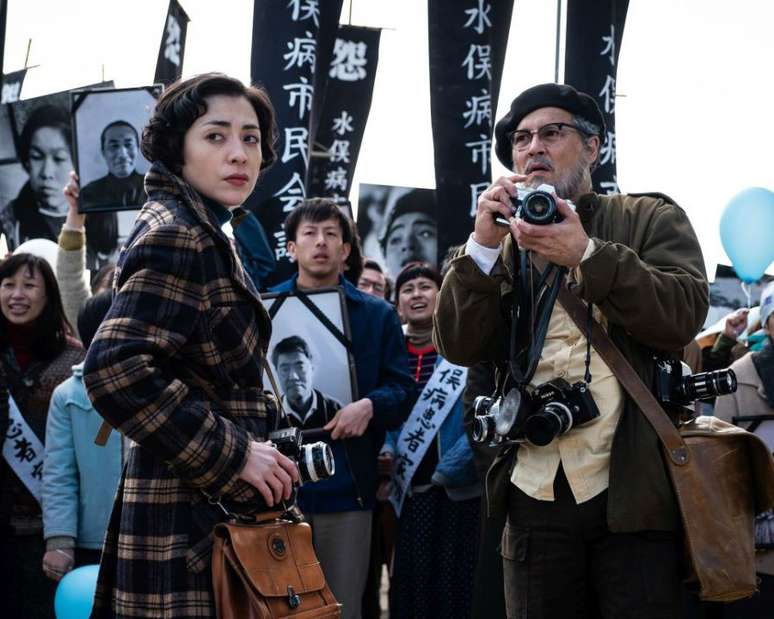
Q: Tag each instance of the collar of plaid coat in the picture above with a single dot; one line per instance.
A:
(162, 185)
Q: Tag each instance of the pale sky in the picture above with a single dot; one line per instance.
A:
(694, 82)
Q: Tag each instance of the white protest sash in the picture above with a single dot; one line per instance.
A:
(23, 451)
(433, 405)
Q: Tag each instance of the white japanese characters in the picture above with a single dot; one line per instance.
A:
(349, 60)
(607, 100)
(172, 43)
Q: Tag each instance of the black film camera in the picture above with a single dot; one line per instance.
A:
(535, 206)
(674, 383)
(314, 460)
(538, 417)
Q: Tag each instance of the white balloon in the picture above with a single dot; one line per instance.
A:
(43, 248)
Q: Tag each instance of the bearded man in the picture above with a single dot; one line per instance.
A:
(592, 524)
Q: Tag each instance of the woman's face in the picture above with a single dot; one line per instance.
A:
(49, 167)
(222, 151)
(23, 296)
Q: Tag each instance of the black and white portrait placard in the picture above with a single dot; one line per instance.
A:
(398, 225)
(36, 157)
(107, 125)
(310, 351)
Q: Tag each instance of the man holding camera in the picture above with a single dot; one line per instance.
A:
(593, 527)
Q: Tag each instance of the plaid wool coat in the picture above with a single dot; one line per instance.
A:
(182, 305)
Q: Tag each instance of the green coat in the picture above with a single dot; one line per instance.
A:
(647, 277)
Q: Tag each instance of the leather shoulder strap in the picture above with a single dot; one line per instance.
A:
(629, 379)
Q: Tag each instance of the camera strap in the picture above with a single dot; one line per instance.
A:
(631, 382)
(532, 309)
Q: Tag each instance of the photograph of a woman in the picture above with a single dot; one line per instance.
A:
(40, 208)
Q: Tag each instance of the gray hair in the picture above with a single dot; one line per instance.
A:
(587, 130)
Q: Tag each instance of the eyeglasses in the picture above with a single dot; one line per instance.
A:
(548, 134)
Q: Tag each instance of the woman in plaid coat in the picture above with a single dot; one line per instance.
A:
(185, 313)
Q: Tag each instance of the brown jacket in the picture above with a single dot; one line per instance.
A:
(647, 277)
(748, 400)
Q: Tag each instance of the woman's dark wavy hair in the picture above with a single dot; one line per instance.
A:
(44, 116)
(51, 328)
(185, 101)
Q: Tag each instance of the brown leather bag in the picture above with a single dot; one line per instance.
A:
(722, 476)
(269, 570)
(265, 567)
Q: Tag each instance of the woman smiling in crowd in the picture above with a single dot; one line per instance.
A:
(36, 354)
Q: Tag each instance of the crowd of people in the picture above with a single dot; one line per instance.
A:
(585, 525)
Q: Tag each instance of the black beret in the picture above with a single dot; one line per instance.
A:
(543, 95)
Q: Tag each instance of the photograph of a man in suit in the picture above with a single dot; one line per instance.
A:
(306, 406)
(123, 185)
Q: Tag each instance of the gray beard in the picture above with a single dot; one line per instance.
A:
(572, 184)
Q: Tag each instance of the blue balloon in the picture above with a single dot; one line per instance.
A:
(747, 232)
(75, 593)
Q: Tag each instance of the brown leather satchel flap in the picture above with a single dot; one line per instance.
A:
(761, 461)
(275, 556)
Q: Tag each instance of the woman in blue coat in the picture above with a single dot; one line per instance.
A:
(79, 477)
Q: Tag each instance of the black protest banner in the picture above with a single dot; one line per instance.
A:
(283, 61)
(12, 86)
(169, 66)
(346, 105)
(330, 12)
(467, 41)
(594, 33)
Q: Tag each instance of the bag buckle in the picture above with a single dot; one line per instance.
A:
(293, 600)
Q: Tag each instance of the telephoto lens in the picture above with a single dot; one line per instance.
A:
(705, 385)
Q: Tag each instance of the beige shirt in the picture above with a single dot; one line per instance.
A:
(584, 452)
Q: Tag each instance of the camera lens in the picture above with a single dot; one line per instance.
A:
(483, 428)
(316, 462)
(548, 423)
(706, 385)
(539, 208)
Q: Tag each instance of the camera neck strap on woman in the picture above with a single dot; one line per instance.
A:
(722, 476)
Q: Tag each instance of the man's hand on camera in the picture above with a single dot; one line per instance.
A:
(563, 243)
(492, 203)
(352, 420)
(269, 472)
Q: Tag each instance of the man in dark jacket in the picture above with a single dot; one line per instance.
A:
(340, 508)
(592, 527)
